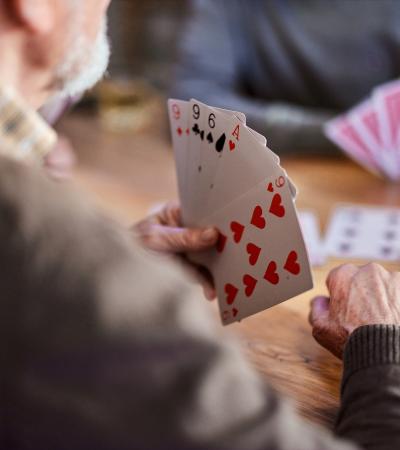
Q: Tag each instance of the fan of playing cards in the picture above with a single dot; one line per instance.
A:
(370, 132)
(229, 178)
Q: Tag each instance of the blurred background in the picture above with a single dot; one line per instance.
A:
(144, 38)
(144, 35)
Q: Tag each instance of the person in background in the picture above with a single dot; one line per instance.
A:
(103, 343)
(289, 65)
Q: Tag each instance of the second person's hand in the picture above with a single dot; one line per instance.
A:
(368, 295)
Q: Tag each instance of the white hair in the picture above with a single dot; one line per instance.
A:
(85, 63)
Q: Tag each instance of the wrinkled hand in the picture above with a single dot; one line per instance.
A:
(367, 295)
(163, 232)
(61, 160)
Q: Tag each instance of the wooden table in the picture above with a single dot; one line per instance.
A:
(127, 174)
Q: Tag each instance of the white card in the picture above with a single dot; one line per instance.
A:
(370, 233)
(178, 117)
(260, 259)
(244, 163)
(312, 237)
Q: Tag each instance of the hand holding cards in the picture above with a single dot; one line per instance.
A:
(229, 179)
(370, 132)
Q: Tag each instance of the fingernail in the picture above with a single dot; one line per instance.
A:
(208, 235)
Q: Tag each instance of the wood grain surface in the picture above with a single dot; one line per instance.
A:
(128, 174)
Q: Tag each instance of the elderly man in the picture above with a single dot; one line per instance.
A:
(103, 345)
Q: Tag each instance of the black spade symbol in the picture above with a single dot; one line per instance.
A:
(219, 145)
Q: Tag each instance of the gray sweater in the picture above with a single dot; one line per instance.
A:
(289, 65)
(104, 347)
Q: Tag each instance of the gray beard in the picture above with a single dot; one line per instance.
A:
(84, 66)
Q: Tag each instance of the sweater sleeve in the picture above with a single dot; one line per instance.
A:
(370, 408)
(209, 70)
(106, 347)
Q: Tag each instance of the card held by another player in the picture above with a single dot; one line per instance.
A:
(370, 132)
(230, 179)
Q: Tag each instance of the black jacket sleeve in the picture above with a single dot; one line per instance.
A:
(370, 407)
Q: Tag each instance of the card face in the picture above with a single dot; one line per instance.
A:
(244, 163)
(365, 233)
(260, 259)
(211, 151)
(197, 113)
(312, 237)
(178, 117)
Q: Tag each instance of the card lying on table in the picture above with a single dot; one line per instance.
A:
(370, 233)
(230, 179)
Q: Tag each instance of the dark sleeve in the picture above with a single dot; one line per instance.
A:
(106, 347)
(209, 71)
(370, 409)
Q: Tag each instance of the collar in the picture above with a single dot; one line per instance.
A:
(24, 135)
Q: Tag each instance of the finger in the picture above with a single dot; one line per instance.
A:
(319, 311)
(210, 293)
(179, 240)
(341, 277)
(375, 269)
(170, 214)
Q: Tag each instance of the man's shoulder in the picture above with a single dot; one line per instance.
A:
(68, 242)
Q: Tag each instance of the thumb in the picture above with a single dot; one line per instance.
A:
(181, 240)
(319, 312)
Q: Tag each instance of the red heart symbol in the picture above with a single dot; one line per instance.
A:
(232, 145)
(276, 207)
(291, 264)
(270, 187)
(270, 274)
(257, 218)
(179, 131)
(235, 312)
(231, 293)
(254, 252)
(221, 242)
(187, 131)
(237, 229)
(250, 284)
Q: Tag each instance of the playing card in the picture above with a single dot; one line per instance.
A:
(207, 142)
(311, 233)
(344, 134)
(244, 163)
(371, 233)
(387, 103)
(260, 259)
(203, 152)
(178, 117)
(365, 119)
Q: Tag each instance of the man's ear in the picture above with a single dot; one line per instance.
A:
(36, 15)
